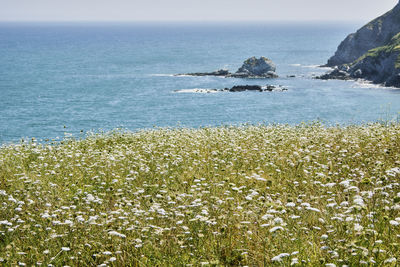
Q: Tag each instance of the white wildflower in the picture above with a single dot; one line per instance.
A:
(278, 220)
(358, 200)
(276, 228)
(294, 261)
(290, 204)
(313, 209)
(115, 233)
(267, 217)
(280, 256)
(358, 227)
(390, 260)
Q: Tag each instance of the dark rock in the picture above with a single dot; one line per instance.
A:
(220, 72)
(259, 88)
(335, 74)
(344, 68)
(393, 81)
(244, 75)
(358, 74)
(241, 88)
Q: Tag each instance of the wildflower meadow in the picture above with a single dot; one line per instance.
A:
(267, 195)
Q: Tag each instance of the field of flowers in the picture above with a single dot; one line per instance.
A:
(229, 196)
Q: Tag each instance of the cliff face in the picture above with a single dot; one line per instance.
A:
(380, 65)
(375, 34)
(372, 53)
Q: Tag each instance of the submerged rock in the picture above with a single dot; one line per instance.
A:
(237, 88)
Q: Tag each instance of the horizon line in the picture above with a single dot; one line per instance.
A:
(180, 21)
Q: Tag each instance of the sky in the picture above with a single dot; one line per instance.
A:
(193, 10)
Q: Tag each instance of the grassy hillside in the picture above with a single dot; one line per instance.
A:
(385, 51)
(253, 195)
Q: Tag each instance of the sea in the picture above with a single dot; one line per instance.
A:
(70, 79)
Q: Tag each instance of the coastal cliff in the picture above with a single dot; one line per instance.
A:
(372, 53)
(376, 33)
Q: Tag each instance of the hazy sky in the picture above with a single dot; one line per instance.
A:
(198, 10)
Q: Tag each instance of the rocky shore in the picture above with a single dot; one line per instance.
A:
(252, 68)
(372, 53)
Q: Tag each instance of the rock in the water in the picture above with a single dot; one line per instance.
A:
(358, 74)
(241, 88)
(256, 68)
(259, 88)
(376, 33)
(236, 88)
(336, 74)
(252, 68)
(220, 72)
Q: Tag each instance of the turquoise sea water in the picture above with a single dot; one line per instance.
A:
(104, 76)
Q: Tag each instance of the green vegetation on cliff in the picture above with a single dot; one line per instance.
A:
(384, 51)
(305, 195)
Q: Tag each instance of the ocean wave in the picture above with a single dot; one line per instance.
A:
(309, 66)
(197, 91)
(313, 66)
(369, 85)
(162, 75)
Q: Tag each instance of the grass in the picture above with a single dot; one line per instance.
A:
(306, 195)
(384, 51)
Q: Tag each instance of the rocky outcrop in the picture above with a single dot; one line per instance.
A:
(256, 68)
(260, 68)
(375, 34)
(336, 74)
(373, 53)
(380, 65)
(220, 72)
(259, 88)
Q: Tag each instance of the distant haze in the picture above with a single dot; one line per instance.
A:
(192, 10)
